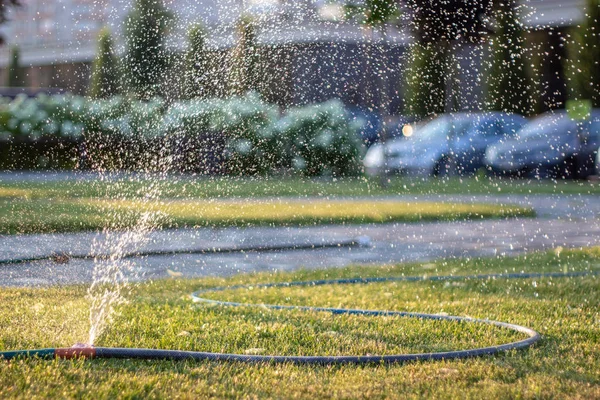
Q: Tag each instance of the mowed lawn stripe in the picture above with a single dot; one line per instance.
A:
(302, 212)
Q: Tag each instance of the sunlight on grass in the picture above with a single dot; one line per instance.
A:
(10, 192)
(65, 215)
(190, 187)
(290, 212)
(160, 314)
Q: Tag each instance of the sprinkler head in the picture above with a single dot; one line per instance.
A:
(78, 350)
(81, 345)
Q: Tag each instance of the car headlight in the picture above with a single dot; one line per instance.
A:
(374, 157)
(491, 153)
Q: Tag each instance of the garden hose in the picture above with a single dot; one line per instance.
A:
(134, 353)
(62, 258)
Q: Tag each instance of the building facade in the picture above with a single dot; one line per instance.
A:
(309, 55)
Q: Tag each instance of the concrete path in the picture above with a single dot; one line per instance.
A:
(566, 221)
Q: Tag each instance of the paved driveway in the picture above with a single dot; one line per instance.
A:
(566, 221)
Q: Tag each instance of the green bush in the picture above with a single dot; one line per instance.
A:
(242, 134)
(42, 117)
(252, 146)
(320, 139)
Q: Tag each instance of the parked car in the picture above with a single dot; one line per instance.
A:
(552, 145)
(370, 123)
(451, 143)
(598, 162)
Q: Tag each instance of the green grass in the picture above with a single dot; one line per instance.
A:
(566, 363)
(220, 187)
(70, 215)
(56, 208)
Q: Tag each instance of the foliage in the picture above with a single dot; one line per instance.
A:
(15, 73)
(439, 21)
(196, 64)
(435, 26)
(252, 146)
(244, 74)
(105, 70)
(5, 5)
(320, 140)
(584, 57)
(143, 119)
(30, 119)
(146, 58)
(508, 83)
(373, 12)
(248, 134)
(426, 79)
(104, 115)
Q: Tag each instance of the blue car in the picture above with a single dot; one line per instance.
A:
(551, 145)
(370, 123)
(448, 144)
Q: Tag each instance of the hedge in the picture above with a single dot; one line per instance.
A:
(237, 135)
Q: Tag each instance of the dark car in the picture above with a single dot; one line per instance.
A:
(370, 124)
(551, 145)
(451, 143)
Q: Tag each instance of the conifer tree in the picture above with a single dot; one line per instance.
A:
(5, 6)
(584, 57)
(243, 76)
(196, 64)
(105, 71)
(508, 84)
(15, 73)
(426, 79)
(146, 59)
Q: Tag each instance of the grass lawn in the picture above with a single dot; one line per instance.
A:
(57, 208)
(566, 363)
(220, 187)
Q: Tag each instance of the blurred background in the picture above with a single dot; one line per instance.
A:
(375, 70)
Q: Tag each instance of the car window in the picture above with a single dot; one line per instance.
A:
(460, 126)
(485, 128)
(595, 129)
(436, 129)
(548, 126)
(511, 125)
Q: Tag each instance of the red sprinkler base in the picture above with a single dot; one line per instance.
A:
(77, 351)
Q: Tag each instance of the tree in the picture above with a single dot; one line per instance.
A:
(15, 73)
(105, 71)
(244, 74)
(436, 27)
(508, 84)
(436, 21)
(426, 79)
(5, 5)
(146, 58)
(584, 57)
(373, 13)
(196, 63)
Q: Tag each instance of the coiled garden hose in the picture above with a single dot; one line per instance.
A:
(133, 353)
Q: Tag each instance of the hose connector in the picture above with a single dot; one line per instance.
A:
(79, 350)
